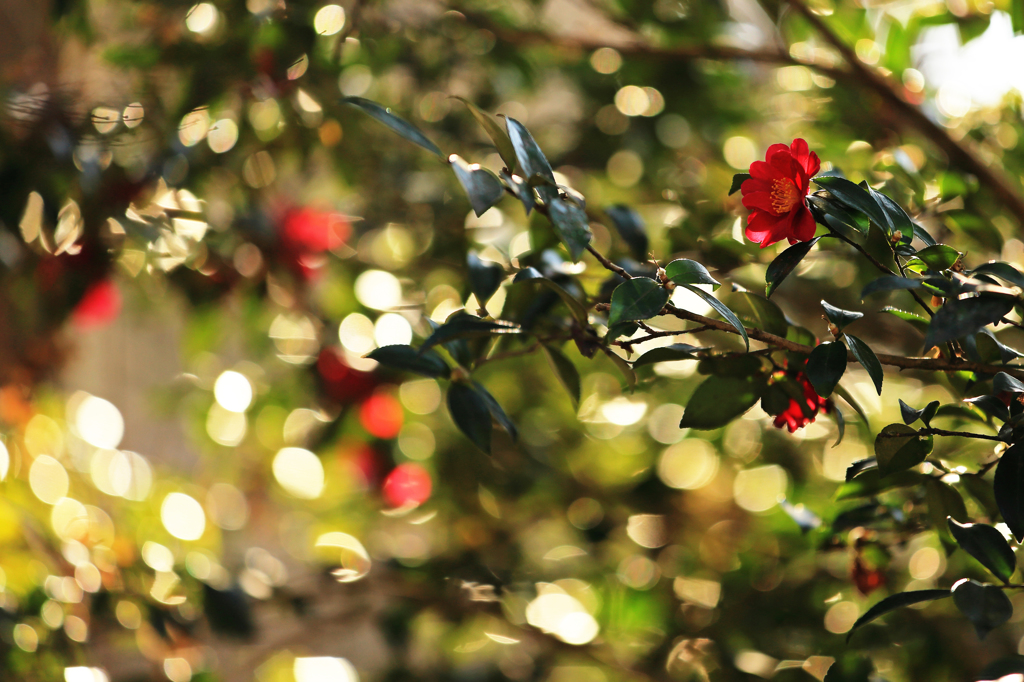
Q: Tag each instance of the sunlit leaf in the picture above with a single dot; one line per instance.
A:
(639, 298)
(482, 186)
(684, 271)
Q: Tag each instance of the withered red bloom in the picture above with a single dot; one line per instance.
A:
(801, 413)
(775, 194)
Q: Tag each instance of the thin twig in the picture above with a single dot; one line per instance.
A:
(942, 432)
(608, 264)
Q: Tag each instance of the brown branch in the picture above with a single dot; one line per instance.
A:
(607, 263)
(942, 432)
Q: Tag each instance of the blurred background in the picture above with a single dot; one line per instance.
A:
(204, 478)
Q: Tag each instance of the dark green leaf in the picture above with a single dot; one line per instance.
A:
(571, 302)
(465, 326)
(908, 413)
(565, 371)
(986, 606)
(407, 358)
(900, 447)
(981, 491)
(571, 225)
(1008, 485)
(719, 400)
(852, 402)
(943, 501)
(1003, 271)
(1003, 382)
(631, 228)
(521, 190)
(737, 182)
(482, 186)
(722, 310)
(896, 218)
(965, 316)
(399, 125)
(890, 283)
(484, 277)
(825, 367)
(855, 197)
(840, 317)
(531, 159)
(871, 483)
(840, 420)
(495, 411)
(928, 413)
(640, 298)
(837, 218)
(987, 545)
(784, 263)
(860, 466)
(939, 257)
(620, 329)
(894, 602)
(685, 271)
(470, 413)
(990, 405)
(498, 136)
(677, 351)
(228, 612)
(866, 357)
(759, 312)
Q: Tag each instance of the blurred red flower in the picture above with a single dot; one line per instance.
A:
(307, 230)
(408, 485)
(99, 306)
(775, 193)
(341, 383)
(801, 413)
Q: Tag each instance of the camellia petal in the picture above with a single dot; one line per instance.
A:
(776, 195)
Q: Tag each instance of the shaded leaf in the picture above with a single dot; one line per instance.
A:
(737, 182)
(496, 411)
(724, 311)
(1003, 382)
(482, 186)
(575, 306)
(896, 218)
(1003, 271)
(899, 447)
(866, 357)
(484, 277)
(531, 159)
(759, 312)
(470, 413)
(908, 413)
(850, 669)
(640, 298)
(466, 326)
(571, 225)
(872, 482)
(229, 612)
(944, 501)
(1002, 667)
(840, 420)
(784, 263)
(964, 316)
(986, 606)
(521, 190)
(498, 136)
(890, 283)
(566, 372)
(405, 357)
(855, 197)
(397, 124)
(1008, 485)
(825, 367)
(677, 351)
(631, 228)
(685, 271)
(894, 602)
(990, 405)
(837, 218)
(719, 400)
(840, 317)
(987, 545)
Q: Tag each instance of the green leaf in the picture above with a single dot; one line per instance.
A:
(897, 219)
(677, 351)
(920, 322)
(521, 190)
(986, 606)
(928, 413)
(565, 371)
(759, 312)
(685, 271)
(852, 402)
(484, 277)
(470, 413)
(866, 357)
(531, 159)
(575, 306)
(640, 298)
(1008, 485)
(890, 283)
(855, 197)
(737, 182)
(784, 263)
(407, 358)
(987, 545)
(466, 326)
(1003, 271)
(1003, 382)
(571, 225)
(908, 413)
(482, 186)
(965, 316)
(719, 400)
(825, 367)
(631, 228)
(837, 218)
(722, 310)
(871, 483)
(900, 447)
(838, 316)
(498, 136)
(399, 125)
(894, 602)
(938, 257)
(1017, 15)
(494, 409)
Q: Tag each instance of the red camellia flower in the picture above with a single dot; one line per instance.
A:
(100, 305)
(775, 193)
(799, 415)
(311, 231)
(408, 485)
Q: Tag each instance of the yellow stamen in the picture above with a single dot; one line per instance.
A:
(784, 196)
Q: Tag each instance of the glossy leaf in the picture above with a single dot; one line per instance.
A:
(840, 317)
(521, 190)
(1003, 271)
(498, 136)
(482, 186)
(840, 420)
(896, 218)
(465, 326)
(784, 264)
(685, 271)
(529, 156)
(404, 357)
(566, 372)
(987, 545)
(484, 277)
(866, 357)
(575, 306)
(677, 351)
(495, 410)
(737, 182)
(631, 228)
(396, 123)
(837, 218)
(986, 606)
(1003, 382)
(896, 601)
(855, 197)
(890, 283)
(899, 447)
(938, 257)
(571, 225)
(965, 316)
(1008, 485)
(719, 400)
(470, 413)
(724, 311)
(640, 298)
(825, 367)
